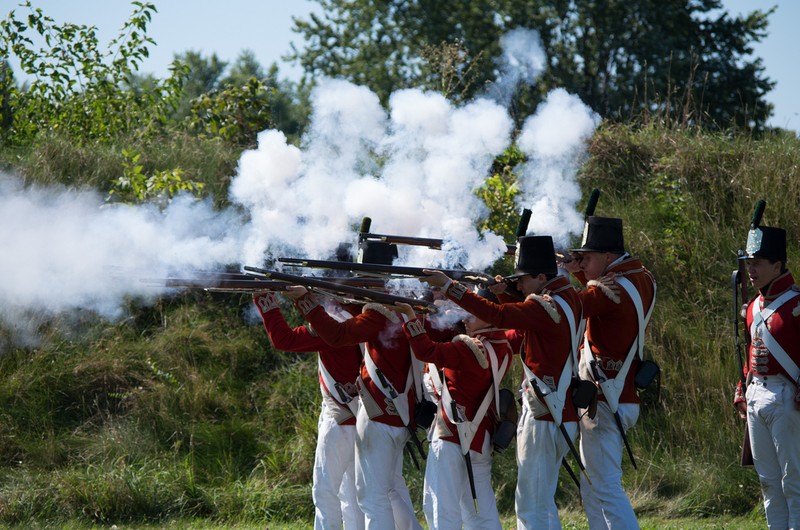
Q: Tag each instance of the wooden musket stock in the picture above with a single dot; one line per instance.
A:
(357, 293)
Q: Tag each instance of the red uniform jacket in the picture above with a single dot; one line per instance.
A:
(467, 371)
(546, 335)
(342, 363)
(783, 325)
(611, 320)
(382, 331)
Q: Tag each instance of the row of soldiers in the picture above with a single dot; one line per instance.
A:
(379, 365)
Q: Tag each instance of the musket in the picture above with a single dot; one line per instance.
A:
(433, 243)
(540, 394)
(358, 293)
(436, 243)
(250, 284)
(390, 271)
(741, 298)
(457, 417)
(600, 377)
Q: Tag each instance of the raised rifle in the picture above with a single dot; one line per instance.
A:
(436, 243)
(741, 299)
(357, 293)
(250, 284)
(389, 271)
(429, 242)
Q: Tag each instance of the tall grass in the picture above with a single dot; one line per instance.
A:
(183, 409)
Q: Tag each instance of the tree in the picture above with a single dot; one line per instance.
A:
(681, 58)
(76, 87)
(203, 75)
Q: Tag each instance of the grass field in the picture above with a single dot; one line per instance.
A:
(569, 521)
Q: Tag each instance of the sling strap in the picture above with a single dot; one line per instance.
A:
(612, 387)
(759, 326)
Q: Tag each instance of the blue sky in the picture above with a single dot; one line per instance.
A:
(228, 27)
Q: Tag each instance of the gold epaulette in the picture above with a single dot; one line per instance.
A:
(390, 315)
(609, 287)
(477, 348)
(549, 305)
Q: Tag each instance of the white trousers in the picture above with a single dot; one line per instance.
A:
(380, 488)
(605, 502)
(774, 426)
(334, 487)
(540, 448)
(447, 501)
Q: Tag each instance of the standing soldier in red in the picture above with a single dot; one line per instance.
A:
(387, 387)
(458, 474)
(771, 402)
(333, 488)
(617, 302)
(549, 318)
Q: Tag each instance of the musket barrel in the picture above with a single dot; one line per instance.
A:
(357, 292)
(390, 270)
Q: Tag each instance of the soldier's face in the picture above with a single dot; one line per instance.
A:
(593, 264)
(529, 284)
(762, 271)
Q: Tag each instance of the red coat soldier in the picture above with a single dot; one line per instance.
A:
(387, 386)
(333, 487)
(617, 302)
(771, 402)
(458, 474)
(549, 319)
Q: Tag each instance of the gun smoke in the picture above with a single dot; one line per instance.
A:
(413, 169)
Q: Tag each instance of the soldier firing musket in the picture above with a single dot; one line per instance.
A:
(389, 385)
(617, 302)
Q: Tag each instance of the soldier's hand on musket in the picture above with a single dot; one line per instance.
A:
(573, 265)
(406, 309)
(435, 278)
(296, 292)
(499, 286)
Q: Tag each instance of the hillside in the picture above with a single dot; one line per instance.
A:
(182, 408)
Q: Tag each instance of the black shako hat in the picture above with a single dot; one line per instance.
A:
(377, 252)
(535, 255)
(602, 234)
(766, 242)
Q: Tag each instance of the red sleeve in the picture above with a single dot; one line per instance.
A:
(596, 302)
(442, 354)
(361, 328)
(518, 315)
(285, 338)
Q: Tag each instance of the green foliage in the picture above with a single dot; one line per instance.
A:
(499, 193)
(622, 58)
(136, 187)
(235, 114)
(76, 87)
